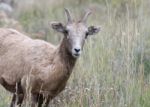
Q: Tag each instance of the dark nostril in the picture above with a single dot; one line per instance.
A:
(77, 50)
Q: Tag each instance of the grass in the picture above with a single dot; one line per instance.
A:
(113, 70)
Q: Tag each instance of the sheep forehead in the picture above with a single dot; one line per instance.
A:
(76, 28)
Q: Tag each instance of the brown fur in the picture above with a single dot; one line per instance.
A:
(38, 67)
(34, 63)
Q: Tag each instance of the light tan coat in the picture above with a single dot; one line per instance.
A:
(45, 66)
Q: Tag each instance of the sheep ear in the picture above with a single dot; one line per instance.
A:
(93, 30)
(58, 26)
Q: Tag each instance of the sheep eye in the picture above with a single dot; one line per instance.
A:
(66, 32)
(86, 35)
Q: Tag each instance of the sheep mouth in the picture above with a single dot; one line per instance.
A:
(76, 55)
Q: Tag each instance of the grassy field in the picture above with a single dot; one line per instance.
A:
(114, 69)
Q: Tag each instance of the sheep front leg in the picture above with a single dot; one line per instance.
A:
(33, 100)
(43, 101)
(47, 102)
(38, 100)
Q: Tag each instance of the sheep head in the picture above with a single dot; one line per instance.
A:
(75, 32)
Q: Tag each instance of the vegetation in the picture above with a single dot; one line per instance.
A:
(114, 69)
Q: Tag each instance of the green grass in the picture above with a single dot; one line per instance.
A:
(113, 70)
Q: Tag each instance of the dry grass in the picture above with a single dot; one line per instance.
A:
(114, 69)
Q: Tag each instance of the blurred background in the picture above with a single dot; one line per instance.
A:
(114, 69)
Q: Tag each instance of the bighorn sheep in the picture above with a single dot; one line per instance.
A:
(45, 67)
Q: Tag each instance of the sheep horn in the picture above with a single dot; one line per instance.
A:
(84, 19)
(69, 18)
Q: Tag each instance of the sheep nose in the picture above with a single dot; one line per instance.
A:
(77, 50)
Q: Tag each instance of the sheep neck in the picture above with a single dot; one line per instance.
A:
(65, 57)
